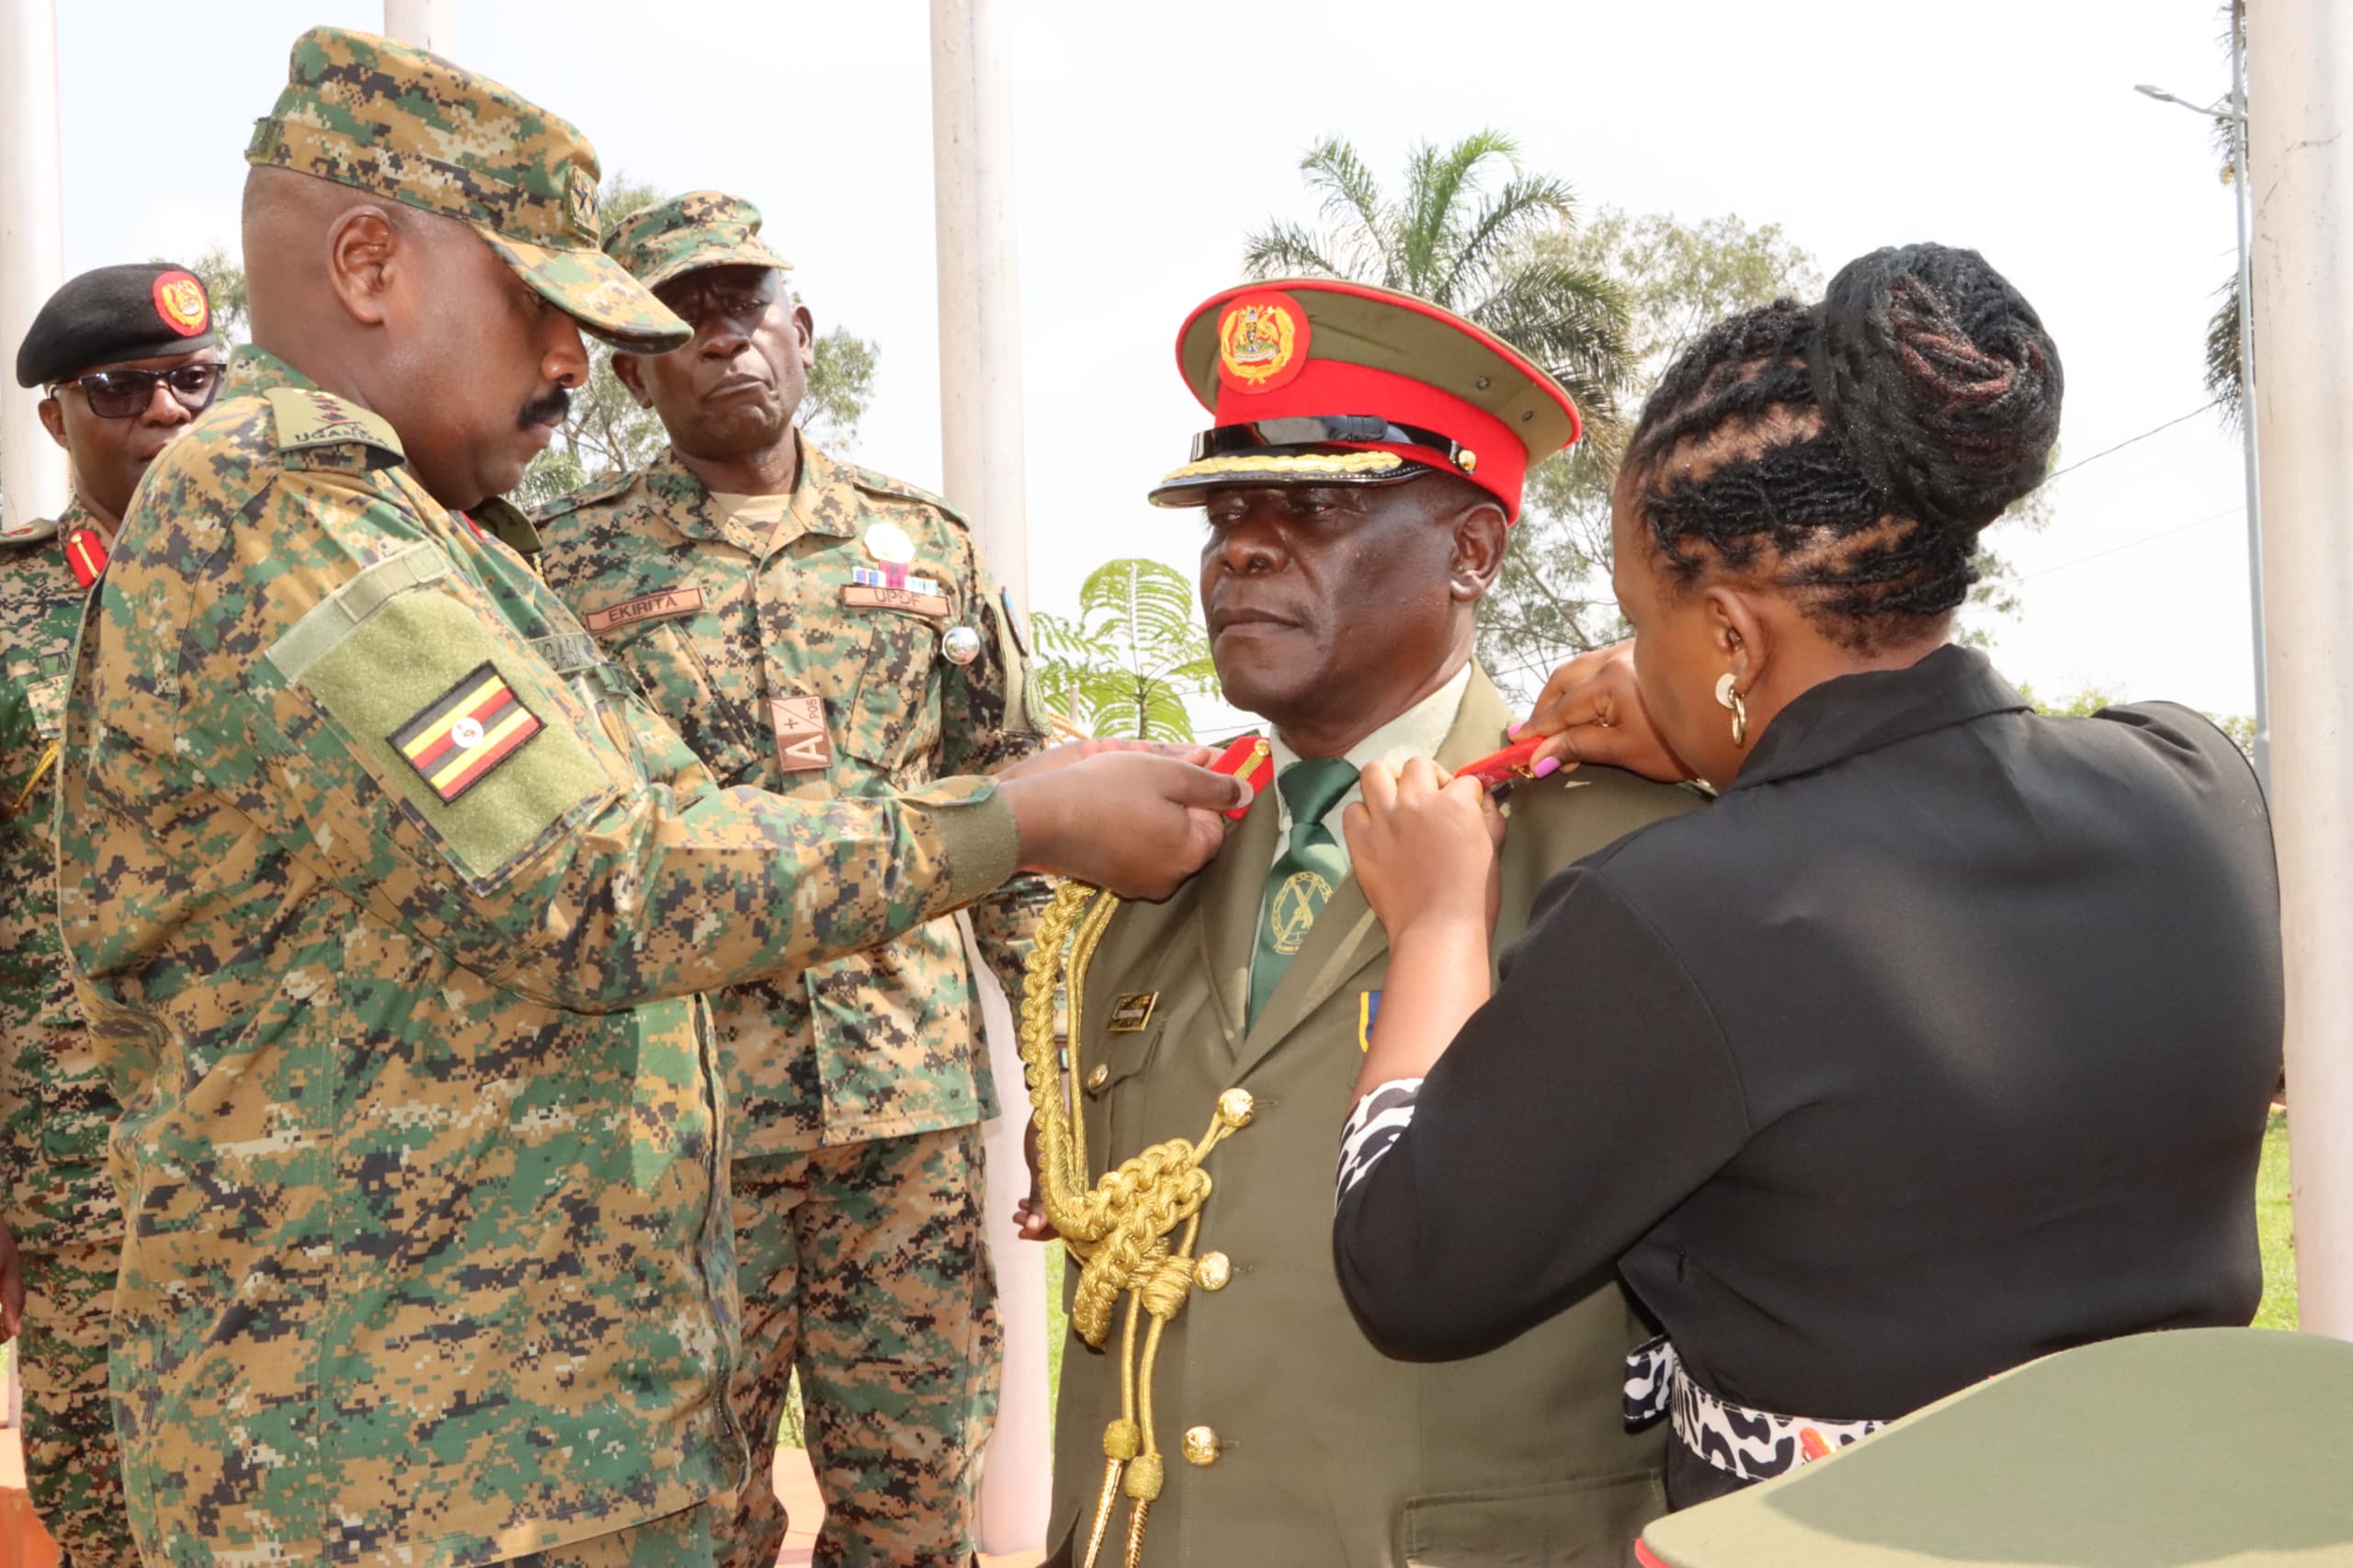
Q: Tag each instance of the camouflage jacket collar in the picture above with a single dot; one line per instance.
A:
(683, 501)
(75, 515)
(253, 371)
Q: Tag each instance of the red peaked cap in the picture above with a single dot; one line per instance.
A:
(1323, 348)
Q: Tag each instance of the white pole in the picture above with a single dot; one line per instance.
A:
(2249, 459)
(32, 253)
(982, 453)
(425, 23)
(2300, 90)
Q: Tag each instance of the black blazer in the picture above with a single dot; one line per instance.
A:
(1943, 1041)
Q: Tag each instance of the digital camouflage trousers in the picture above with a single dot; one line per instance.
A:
(69, 1239)
(864, 1268)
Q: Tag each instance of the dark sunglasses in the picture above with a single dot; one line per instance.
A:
(125, 394)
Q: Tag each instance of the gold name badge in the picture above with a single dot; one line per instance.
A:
(1130, 1013)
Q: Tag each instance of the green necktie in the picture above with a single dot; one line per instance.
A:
(1305, 875)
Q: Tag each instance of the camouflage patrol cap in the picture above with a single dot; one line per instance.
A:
(687, 233)
(389, 117)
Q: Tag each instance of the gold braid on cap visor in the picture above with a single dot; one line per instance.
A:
(1120, 1228)
(1297, 463)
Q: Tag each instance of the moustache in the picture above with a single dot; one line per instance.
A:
(549, 409)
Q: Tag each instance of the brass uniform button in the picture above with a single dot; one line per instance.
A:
(1212, 1271)
(1236, 1108)
(1200, 1446)
(1098, 1076)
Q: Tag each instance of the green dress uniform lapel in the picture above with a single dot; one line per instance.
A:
(1347, 935)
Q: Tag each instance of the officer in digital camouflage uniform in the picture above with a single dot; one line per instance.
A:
(823, 630)
(375, 877)
(129, 357)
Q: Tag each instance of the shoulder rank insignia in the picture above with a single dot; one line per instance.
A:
(1368, 1010)
(86, 554)
(588, 494)
(876, 483)
(1250, 759)
(466, 732)
(313, 424)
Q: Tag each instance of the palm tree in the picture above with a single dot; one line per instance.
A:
(1457, 242)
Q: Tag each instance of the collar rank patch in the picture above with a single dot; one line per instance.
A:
(86, 554)
(466, 732)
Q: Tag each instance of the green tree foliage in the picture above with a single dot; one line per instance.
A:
(1674, 280)
(607, 432)
(224, 281)
(2222, 362)
(1464, 232)
(1553, 599)
(1132, 656)
(2240, 727)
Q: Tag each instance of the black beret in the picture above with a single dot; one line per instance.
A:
(139, 311)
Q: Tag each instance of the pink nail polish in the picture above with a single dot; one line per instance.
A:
(1517, 725)
(1546, 769)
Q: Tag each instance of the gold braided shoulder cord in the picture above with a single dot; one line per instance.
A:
(1118, 1229)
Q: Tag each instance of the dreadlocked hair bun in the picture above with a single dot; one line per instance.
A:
(1936, 377)
(1856, 448)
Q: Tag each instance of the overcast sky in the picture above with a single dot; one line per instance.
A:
(1151, 137)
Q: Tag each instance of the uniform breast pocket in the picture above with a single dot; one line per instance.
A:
(713, 711)
(892, 721)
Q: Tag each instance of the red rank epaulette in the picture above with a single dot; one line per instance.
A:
(1250, 759)
(85, 551)
(1507, 766)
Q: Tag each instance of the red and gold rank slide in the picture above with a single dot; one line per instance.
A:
(466, 732)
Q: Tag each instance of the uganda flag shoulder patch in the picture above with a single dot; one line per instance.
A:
(466, 732)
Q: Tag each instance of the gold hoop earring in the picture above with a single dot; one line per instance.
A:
(1727, 697)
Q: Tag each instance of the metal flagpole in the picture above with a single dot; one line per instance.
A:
(425, 23)
(982, 452)
(2300, 89)
(32, 251)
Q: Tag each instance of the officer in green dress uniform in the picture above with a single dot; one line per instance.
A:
(1366, 461)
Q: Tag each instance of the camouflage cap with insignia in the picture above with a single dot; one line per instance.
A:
(687, 233)
(386, 117)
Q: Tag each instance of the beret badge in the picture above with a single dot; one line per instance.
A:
(179, 301)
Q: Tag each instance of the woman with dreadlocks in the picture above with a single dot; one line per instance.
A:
(1943, 1041)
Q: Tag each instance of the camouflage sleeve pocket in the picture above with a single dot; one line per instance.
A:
(1025, 713)
(465, 728)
